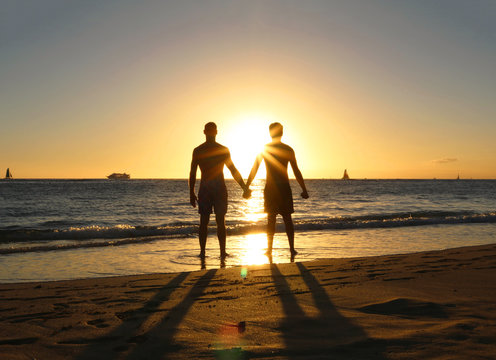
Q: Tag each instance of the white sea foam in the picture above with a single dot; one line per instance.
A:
(84, 237)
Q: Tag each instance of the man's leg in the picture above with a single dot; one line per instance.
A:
(288, 223)
(204, 219)
(271, 229)
(221, 233)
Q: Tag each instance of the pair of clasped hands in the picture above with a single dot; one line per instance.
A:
(246, 192)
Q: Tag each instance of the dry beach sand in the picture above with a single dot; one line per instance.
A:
(431, 305)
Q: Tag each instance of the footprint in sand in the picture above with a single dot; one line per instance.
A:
(99, 323)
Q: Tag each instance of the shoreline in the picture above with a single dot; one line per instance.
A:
(177, 255)
(430, 304)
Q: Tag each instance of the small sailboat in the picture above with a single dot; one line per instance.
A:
(458, 177)
(8, 174)
(345, 175)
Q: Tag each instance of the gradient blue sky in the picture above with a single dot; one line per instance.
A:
(386, 89)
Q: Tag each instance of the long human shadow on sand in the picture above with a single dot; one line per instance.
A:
(330, 335)
(110, 345)
(158, 341)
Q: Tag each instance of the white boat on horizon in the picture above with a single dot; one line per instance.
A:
(119, 176)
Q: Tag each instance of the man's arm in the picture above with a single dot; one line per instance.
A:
(192, 180)
(298, 176)
(236, 175)
(254, 169)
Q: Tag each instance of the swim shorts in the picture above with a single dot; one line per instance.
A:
(278, 199)
(212, 195)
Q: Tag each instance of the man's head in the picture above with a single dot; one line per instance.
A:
(210, 129)
(275, 130)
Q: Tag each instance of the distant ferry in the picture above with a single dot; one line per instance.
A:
(8, 174)
(119, 176)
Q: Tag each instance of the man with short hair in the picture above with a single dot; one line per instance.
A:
(278, 198)
(211, 158)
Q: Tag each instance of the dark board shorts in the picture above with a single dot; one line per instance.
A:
(278, 199)
(212, 196)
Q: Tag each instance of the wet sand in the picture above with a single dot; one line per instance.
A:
(429, 305)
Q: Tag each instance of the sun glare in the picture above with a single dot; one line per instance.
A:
(254, 250)
(245, 139)
(253, 208)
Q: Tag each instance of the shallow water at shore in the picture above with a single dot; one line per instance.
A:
(178, 255)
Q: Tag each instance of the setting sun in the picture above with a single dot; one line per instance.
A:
(245, 139)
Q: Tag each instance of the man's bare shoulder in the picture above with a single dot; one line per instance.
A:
(197, 150)
(279, 145)
(209, 148)
(220, 146)
(220, 149)
(200, 147)
(287, 147)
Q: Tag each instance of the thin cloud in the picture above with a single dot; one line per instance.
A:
(445, 160)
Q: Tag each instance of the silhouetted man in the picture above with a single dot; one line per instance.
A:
(211, 158)
(278, 198)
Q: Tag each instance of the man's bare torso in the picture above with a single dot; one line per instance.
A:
(277, 155)
(211, 158)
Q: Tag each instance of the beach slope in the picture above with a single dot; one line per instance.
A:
(429, 305)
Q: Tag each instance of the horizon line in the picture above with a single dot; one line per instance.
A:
(173, 178)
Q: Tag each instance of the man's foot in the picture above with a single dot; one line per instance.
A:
(224, 254)
(293, 252)
(268, 252)
(202, 254)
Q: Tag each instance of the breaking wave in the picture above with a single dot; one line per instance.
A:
(18, 240)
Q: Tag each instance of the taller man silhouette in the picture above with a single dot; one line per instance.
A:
(211, 158)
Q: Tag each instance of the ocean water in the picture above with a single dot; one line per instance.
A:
(65, 229)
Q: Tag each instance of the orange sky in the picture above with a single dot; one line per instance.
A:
(385, 90)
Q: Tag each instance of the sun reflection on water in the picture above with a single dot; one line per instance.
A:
(252, 247)
(253, 251)
(253, 207)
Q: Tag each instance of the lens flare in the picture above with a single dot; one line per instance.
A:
(230, 342)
